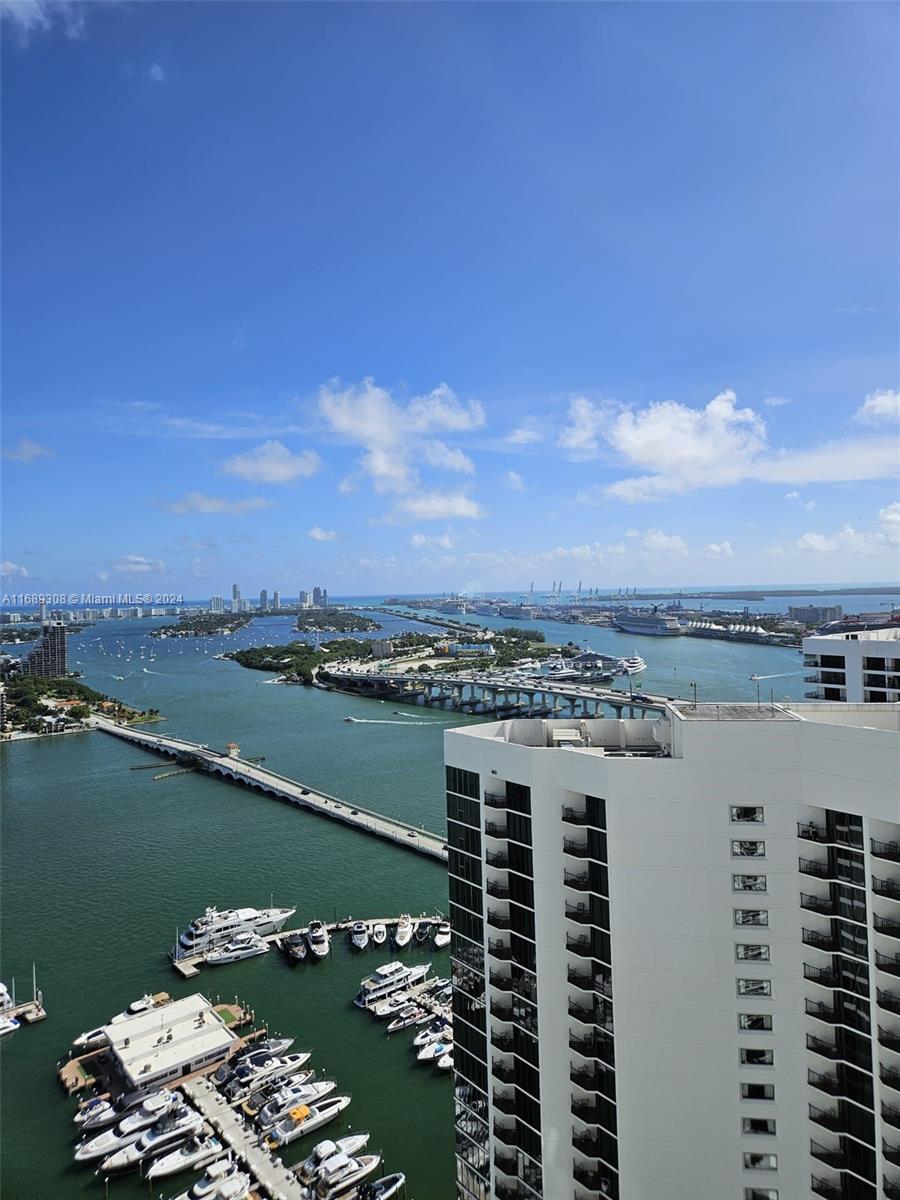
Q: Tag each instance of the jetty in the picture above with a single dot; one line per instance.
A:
(229, 765)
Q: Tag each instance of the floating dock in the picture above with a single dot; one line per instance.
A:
(230, 766)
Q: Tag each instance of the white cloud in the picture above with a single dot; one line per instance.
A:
(347, 485)
(439, 454)
(439, 506)
(792, 495)
(197, 502)
(879, 408)
(720, 550)
(27, 451)
(444, 541)
(524, 435)
(10, 568)
(138, 564)
(657, 542)
(777, 401)
(816, 541)
(514, 481)
(883, 539)
(40, 16)
(586, 423)
(809, 505)
(272, 462)
(189, 427)
(318, 534)
(156, 73)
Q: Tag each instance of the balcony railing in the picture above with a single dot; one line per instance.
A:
(494, 800)
(579, 912)
(889, 1038)
(574, 816)
(821, 975)
(500, 891)
(809, 830)
(501, 981)
(809, 866)
(890, 1115)
(891, 1153)
(579, 945)
(507, 1134)
(580, 979)
(505, 1102)
(815, 1008)
(589, 1144)
(834, 1158)
(890, 963)
(889, 1001)
(585, 1111)
(891, 1077)
(500, 950)
(886, 887)
(889, 851)
(585, 1077)
(592, 1180)
(831, 1084)
(582, 1013)
(502, 1070)
(818, 904)
(492, 829)
(577, 849)
(831, 1191)
(889, 1189)
(506, 1162)
(821, 941)
(580, 880)
(886, 925)
(503, 1012)
(502, 1042)
(498, 920)
(820, 1046)
(829, 1118)
(497, 858)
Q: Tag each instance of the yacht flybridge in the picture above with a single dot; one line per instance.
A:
(216, 927)
(387, 979)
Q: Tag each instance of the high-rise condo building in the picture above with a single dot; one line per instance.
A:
(317, 597)
(676, 954)
(276, 600)
(48, 658)
(216, 604)
(235, 591)
(861, 667)
(815, 614)
(263, 600)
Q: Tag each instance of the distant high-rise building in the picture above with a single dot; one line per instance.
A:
(48, 659)
(317, 597)
(276, 600)
(235, 591)
(303, 599)
(263, 600)
(815, 614)
(217, 604)
(324, 597)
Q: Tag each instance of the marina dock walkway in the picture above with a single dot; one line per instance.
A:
(232, 767)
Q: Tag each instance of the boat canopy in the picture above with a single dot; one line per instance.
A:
(300, 1113)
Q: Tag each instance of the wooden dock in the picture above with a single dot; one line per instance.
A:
(189, 966)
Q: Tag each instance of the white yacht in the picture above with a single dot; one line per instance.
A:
(379, 934)
(291, 1097)
(8, 1025)
(442, 935)
(359, 935)
(341, 1173)
(254, 1071)
(387, 979)
(221, 1181)
(91, 1039)
(410, 1015)
(318, 939)
(242, 945)
(136, 1007)
(196, 1152)
(403, 931)
(436, 1050)
(632, 665)
(128, 1130)
(352, 1144)
(97, 1113)
(388, 1187)
(433, 1033)
(216, 927)
(445, 1063)
(256, 1102)
(391, 1006)
(6, 1000)
(172, 1129)
(303, 1120)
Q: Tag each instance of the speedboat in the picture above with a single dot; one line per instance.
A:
(8, 1025)
(258, 1100)
(91, 1039)
(268, 1046)
(97, 1113)
(436, 1050)
(173, 1128)
(340, 1173)
(215, 928)
(359, 935)
(442, 935)
(423, 931)
(136, 1007)
(318, 939)
(221, 1181)
(242, 945)
(291, 1097)
(253, 1072)
(386, 980)
(294, 946)
(411, 1015)
(303, 1120)
(445, 1063)
(379, 934)
(432, 1033)
(388, 1187)
(403, 931)
(390, 1008)
(128, 1130)
(194, 1153)
(352, 1144)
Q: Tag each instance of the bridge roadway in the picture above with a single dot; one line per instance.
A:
(237, 770)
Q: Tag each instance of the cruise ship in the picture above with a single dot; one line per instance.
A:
(654, 622)
(216, 927)
(388, 979)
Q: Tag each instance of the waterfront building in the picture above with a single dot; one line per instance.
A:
(675, 954)
(48, 659)
(2, 708)
(165, 1043)
(861, 667)
(263, 600)
(276, 600)
(815, 614)
(216, 604)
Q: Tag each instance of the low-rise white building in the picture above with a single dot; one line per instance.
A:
(862, 667)
(167, 1042)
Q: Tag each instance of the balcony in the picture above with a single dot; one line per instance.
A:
(584, 1077)
(829, 1118)
(890, 1115)
(580, 980)
(503, 1012)
(889, 851)
(579, 912)
(821, 976)
(889, 1001)
(494, 800)
(589, 1144)
(592, 1180)
(582, 1013)
(580, 946)
(890, 1190)
(500, 981)
(891, 1153)
(809, 867)
(502, 1070)
(890, 1076)
(889, 963)
(504, 1102)
(506, 1132)
(831, 1191)
(574, 816)
(505, 1162)
(492, 829)
(815, 1008)
(498, 920)
(502, 1041)
(810, 831)
(886, 925)
(821, 941)
(831, 1084)
(500, 891)
(498, 859)
(820, 1046)
(576, 849)
(889, 1038)
(581, 881)
(510, 1191)
(886, 887)
(825, 906)
(833, 1158)
(585, 1111)
(500, 950)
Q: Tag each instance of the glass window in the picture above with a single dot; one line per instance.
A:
(757, 1125)
(742, 814)
(751, 952)
(754, 1021)
(741, 849)
(754, 987)
(760, 1162)
(751, 916)
(760, 1194)
(757, 1091)
(757, 1058)
(749, 883)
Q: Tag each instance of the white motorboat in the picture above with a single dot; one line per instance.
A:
(411, 1015)
(6, 1000)
(433, 1033)
(215, 927)
(352, 1144)
(436, 1050)
(379, 934)
(128, 1130)
(303, 1120)
(340, 1173)
(292, 1097)
(391, 1007)
(255, 1103)
(318, 939)
(268, 1046)
(633, 665)
(168, 1132)
(97, 1113)
(194, 1153)
(221, 1181)
(388, 1187)
(91, 1039)
(442, 935)
(136, 1007)
(242, 945)
(387, 980)
(403, 931)
(445, 1063)
(359, 935)
(8, 1025)
(253, 1071)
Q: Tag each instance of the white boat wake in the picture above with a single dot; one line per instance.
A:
(372, 721)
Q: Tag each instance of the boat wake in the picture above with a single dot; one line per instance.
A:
(372, 721)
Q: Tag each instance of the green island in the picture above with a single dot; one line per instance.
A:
(55, 705)
(335, 620)
(296, 661)
(203, 625)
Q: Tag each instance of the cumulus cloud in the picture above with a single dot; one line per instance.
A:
(318, 534)
(156, 73)
(809, 505)
(657, 542)
(883, 538)
(138, 564)
(586, 423)
(879, 408)
(272, 462)
(41, 16)
(439, 454)
(524, 435)
(439, 506)
(197, 502)
(720, 550)
(9, 568)
(514, 481)
(444, 541)
(27, 451)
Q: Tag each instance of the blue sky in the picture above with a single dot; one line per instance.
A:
(408, 297)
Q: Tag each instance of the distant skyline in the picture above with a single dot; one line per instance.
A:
(411, 298)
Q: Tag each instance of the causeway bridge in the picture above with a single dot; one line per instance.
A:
(231, 767)
(488, 692)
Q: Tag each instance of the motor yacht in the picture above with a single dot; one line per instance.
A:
(386, 980)
(268, 1046)
(6, 1000)
(432, 1033)
(341, 1173)
(359, 935)
(435, 1050)
(259, 1099)
(196, 1152)
(388, 1187)
(391, 1007)
(91, 1039)
(423, 931)
(294, 946)
(411, 1015)
(352, 1144)
(633, 665)
(128, 1130)
(242, 945)
(254, 1071)
(97, 1113)
(403, 931)
(379, 934)
(442, 935)
(221, 1181)
(303, 1120)
(216, 927)
(292, 1097)
(318, 939)
(8, 1025)
(134, 1009)
(172, 1129)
